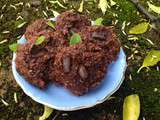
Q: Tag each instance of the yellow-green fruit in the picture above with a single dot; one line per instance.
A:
(131, 107)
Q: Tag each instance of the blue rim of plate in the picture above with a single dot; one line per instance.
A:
(67, 108)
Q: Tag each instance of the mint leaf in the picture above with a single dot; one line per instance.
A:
(40, 40)
(76, 38)
(49, 23)
(99, 21)
(13, 47)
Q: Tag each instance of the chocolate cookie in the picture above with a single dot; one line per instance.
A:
(37, 28)
(104, 37)
(33, 61)
(79, 68)
(70, 21)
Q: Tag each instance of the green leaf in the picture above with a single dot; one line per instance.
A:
(3, 41)
(133, 38)
(154, 8)
(47, 112)
(140, 28)
(131, 107)
(103, 5)
(21, 24)
(49, 23)
(57, 2)
(76, 38)
(55, 13)
(40, 40)
(151, 59)
(4, 102)
(15, 97)
(13, 47)
(99, 21)
(112, 3)
(81, 6)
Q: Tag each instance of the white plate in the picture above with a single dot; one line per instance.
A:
(61, 99)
